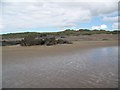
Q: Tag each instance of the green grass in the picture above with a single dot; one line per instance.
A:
(67, 32)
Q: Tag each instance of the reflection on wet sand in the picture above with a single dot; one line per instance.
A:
(94, 67)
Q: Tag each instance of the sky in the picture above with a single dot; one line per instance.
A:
(57, 15)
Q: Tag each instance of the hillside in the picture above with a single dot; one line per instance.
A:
(64, 37)
(67, 32)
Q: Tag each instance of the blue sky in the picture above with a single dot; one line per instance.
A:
(45, 16)
(96, 21)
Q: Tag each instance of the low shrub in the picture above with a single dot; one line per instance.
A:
(31, 40)
(8, 43)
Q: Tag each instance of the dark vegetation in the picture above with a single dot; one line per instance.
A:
(31, 40)
(52, 38)
(67, 32)
(7, 43)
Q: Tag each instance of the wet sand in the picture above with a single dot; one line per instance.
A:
(56, 49)
(82, 64)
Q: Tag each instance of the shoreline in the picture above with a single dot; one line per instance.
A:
(56, 49)
(74, 65)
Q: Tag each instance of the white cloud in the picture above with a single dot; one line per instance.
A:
(116, 25)
(35, 14)
(60, 0)
(111, 19)
(99, 27)
(103, 27)
(43, 14)
(95, 27)
(1, 26)
(114, 20)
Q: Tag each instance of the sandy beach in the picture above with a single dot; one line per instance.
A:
(60, 65)
(56, 49)
(65, 44)
(59, 44)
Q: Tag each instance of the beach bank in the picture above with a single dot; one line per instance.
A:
(57, 49)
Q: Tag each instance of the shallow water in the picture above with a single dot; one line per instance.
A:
(96, 67)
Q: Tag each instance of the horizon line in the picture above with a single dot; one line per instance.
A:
(54, 31)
